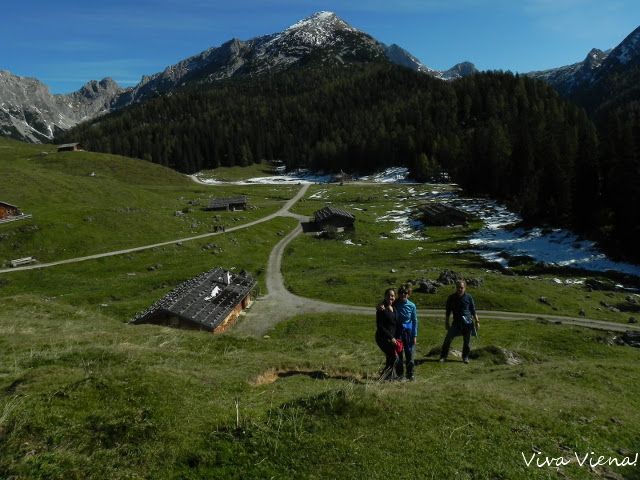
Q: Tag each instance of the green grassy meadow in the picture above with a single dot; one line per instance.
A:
(358, 273)
(126, 203)
(85, 395)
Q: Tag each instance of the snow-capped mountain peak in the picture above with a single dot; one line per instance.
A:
(326, 21)
(317, 30)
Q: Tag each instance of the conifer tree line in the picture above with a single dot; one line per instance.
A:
(497, 134)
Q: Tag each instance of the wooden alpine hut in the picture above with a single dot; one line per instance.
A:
(212, 301)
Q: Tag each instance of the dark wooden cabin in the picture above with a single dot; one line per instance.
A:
(440, 215)
(333, 219)
(228, 203)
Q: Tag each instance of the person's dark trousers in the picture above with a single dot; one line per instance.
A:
(406, 357)
(456, 330)
(389, 351)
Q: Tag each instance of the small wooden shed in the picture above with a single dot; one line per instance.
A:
(440, 215)
(211, 301)
(228, 203)
(69, 147)
(333, 219)
(7, 210)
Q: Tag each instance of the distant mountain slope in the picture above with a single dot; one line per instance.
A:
(602, 79)
(29, 112)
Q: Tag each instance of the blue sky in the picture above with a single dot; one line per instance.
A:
(66, 43)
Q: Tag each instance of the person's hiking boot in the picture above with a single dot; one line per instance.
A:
(411, 378)
(465, 359)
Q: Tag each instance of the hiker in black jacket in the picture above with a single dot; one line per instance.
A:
(387, 332)
(465, 321)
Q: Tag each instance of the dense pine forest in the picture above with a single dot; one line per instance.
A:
(498, 134)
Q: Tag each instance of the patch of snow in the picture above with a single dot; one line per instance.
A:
(390, 175)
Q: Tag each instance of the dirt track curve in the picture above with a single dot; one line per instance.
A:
(280, 304)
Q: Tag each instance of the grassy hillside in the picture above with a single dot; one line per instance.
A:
(84, 395)
(84, 203)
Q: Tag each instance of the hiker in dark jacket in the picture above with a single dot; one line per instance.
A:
(387, 332)
(465, 321)
(408, 325)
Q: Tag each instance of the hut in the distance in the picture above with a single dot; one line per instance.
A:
(70, 147)
(212, 301)
(333, 219)
(9, 213)
(228, 203)
(440, 215)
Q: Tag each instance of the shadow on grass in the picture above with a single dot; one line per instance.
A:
(272, 376)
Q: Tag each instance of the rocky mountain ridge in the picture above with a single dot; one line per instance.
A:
(595, 68)
(28, 111)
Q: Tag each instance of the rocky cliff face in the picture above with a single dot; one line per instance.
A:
(29, 112)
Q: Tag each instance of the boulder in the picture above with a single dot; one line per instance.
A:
(602, 285)
(427, 286)
(631, 338)
(449, 277)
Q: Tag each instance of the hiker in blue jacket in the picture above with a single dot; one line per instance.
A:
(408, 320)
(465, 321)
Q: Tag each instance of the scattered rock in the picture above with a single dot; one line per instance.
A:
(544, 300)
(427, 286)
(630, 338)
(280, 233)
(449, 277)
(603, 285)
(393, 270)
(519, 260)
(152, 268)
(178, 213)
(632, 320)
(497, 355)
(582, 313)
(474, 282)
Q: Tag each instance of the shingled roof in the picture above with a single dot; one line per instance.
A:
(441, 214)
(194, 301)
(329, 211)
(226, 202)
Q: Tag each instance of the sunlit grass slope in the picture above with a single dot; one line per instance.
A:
(85, 203)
